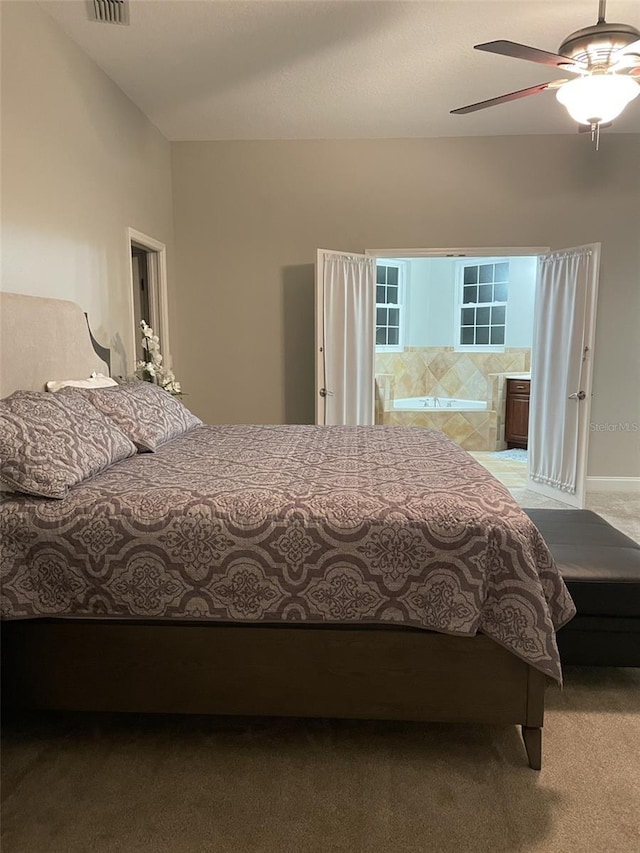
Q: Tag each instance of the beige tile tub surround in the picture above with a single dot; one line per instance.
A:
(470, 430)
(443, 372)
(384, 394)
(498, 404)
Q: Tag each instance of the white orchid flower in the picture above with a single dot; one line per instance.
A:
(152, 369)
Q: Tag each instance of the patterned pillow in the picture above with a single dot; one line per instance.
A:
(50, 442)
(146, 413)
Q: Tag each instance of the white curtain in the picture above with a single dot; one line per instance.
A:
(348, 347)
(556, 369)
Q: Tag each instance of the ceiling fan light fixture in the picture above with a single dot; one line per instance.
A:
(597, 98)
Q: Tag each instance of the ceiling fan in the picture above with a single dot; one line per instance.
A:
(606, 59)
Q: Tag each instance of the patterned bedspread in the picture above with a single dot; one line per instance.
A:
(291, 523)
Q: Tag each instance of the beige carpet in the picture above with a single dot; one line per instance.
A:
(107, 783)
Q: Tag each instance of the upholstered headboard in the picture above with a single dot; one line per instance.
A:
(43, 339)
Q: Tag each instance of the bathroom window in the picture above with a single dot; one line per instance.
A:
(389, 306)
(482, 315)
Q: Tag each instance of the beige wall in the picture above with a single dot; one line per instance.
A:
(250, 215)
(80, 163)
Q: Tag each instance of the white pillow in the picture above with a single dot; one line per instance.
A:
(97, 380)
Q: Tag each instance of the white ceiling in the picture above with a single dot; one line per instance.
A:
(318, 69)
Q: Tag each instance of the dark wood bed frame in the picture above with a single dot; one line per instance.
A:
(368, 672)
(302, 671)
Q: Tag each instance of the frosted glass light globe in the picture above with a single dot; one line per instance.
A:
(598, 97)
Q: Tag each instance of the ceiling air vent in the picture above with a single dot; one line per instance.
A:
(109, 11)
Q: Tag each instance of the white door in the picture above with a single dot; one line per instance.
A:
(345, 314)
(561, 372)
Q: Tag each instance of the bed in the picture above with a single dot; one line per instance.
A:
(367, 572)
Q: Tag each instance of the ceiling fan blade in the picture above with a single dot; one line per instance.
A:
(619, 55)
(502, 99)
(629, 63)
(531, 54)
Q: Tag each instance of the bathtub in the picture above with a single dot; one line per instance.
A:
(437, 404)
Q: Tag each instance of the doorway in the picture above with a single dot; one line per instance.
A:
(148, 302)
(452, 336)
(563, 403)
(140, 284)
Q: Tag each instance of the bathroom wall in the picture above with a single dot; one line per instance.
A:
(429, 365)
(520, 304)
(431, 301)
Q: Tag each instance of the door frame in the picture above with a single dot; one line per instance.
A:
(158, 291)
(460, 252)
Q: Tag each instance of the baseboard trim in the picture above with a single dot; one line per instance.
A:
(613, 484)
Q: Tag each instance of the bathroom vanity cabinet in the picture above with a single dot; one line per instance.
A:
(517, 414)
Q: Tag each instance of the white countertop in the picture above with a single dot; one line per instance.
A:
(517, 376)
